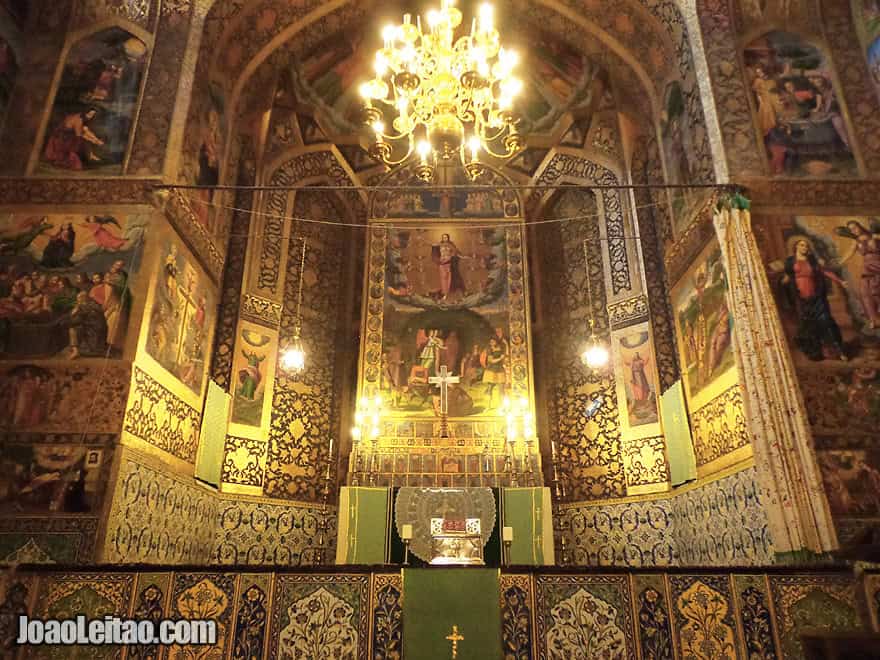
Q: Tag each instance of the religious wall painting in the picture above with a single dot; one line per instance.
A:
(70, 398)
(454, 202)
(559, 79)
(39, 478)
(327, 77)
(8, 74)
(678, 150)
(825, 272)
(870, 27)
(852, 481)
(704, 322)
(65, 283)
(446, 305)
(181, 318)
(635, 357)
(211, 150)
(95, 106)
(252, 373)
(797, 110)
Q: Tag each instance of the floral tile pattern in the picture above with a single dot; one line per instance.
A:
(756, 621)
(517, 612)
(321, 617)
(204, 596)
(251, 617)
(704, 624)
(812, 602)
(718, 524)
(585, 616)
(387, 620)
(655, 629)
(150, 602)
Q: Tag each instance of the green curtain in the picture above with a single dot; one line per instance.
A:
(363, 526)
(212, 439)
(528, 511)
(436, 599)
(679, 443)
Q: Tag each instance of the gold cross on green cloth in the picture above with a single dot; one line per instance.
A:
(455, 638)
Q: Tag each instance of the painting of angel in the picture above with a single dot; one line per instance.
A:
(65, 284)
(868, 247)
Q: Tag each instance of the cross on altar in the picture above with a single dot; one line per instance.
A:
(455, 638)
(444, 380)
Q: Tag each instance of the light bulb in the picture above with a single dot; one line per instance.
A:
(364, 91)
(358, 418)
(424, 149)
(486, 15)
(474, 145)
(293, 359)
(379, 127)
(378, 401)
(365, 402)
(595, 356)
(433, 18)
(356, 433)
(389, 32)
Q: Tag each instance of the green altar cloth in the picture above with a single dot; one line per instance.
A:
(363, 526)
(529, 512)
(435, 599)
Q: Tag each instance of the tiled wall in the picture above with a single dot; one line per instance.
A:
(720, 523)
(358, 614)
(162, 518)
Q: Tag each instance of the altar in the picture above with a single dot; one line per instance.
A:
(424, 526)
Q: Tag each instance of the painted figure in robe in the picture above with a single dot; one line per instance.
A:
(807, 282)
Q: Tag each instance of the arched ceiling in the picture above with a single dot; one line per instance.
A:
(329, 42)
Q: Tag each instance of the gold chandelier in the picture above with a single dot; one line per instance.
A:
(438, 96)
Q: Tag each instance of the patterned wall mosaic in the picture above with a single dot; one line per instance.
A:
(273, 533)
(160, 418)
(306, 406)
(358, 615)
(161, 518)
(156, 518)
(720, 523)
(589, 446)
(719, 427)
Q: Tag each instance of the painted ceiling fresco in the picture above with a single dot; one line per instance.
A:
(557, 79)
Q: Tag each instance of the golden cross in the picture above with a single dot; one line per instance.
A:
(455, 638)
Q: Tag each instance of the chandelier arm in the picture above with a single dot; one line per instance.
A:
(495, 154)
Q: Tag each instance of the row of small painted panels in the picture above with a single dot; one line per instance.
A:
(621, 615)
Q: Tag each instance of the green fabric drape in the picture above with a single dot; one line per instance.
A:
(363, 526)
(530, 516)
(435, 599)
(679, 442)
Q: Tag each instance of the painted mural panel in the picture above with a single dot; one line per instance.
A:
(635, 355)
(210, 153)
(826, 274)
(95, 106)
(446, 305)
(181, 318)
(852, 481)
(679, 153)
(252, 370)
(65, 283)
(704, 322)
(71, 398)
(870, 20)
(49, 477)
(797, 109)
(8, 73)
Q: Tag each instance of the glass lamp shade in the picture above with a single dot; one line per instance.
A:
(595, 355)
(294, 358)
